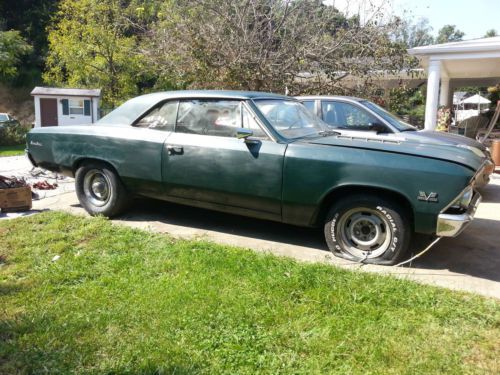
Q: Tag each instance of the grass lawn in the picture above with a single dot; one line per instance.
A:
(12, 150)
(124, 301)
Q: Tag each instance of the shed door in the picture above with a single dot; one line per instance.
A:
(48, 112)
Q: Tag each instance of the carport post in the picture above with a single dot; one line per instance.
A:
(431, 106)
(444, 93)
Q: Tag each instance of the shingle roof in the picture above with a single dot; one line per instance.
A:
(54, 91)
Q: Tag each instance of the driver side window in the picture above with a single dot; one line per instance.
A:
(346, 115)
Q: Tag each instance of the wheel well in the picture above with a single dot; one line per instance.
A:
(345, 191)
(78, 163)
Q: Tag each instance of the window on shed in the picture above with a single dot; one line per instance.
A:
(76, 107)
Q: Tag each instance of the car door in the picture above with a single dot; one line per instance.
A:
(205, 164)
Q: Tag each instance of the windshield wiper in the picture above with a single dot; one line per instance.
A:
(409, 130)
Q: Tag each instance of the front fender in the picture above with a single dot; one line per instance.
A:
(311, 172)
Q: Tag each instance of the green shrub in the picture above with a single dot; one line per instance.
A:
(13, 134)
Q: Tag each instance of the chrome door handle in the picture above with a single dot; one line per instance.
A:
(175, 150)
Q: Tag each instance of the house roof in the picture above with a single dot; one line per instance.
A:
(467, 59)
(54, 91)
(464, 46)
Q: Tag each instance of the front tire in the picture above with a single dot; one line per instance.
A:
(368, 229)
(100, 190)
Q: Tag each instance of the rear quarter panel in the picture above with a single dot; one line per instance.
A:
(135, 153)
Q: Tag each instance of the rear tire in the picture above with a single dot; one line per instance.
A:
(100, 190)
(368, 229)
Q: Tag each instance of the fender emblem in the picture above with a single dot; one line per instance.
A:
(431, 197)
(33, 143)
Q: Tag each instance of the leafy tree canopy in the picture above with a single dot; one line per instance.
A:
(449, 33)
(94, 43)
(414, 34)
(12, 48)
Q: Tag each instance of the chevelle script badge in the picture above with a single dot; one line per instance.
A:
(32, 143)
(431, 197)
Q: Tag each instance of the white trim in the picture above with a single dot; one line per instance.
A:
(464, 56)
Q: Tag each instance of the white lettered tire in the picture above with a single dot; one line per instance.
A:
(368, 229)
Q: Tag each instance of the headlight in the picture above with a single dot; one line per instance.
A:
(464, 199)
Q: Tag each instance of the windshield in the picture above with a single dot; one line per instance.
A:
(4, 117)
(290, 118)
(389, 117)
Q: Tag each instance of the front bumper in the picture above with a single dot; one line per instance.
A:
(451, 225)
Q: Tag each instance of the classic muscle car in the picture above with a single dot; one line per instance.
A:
(267, 156)
(349, 114)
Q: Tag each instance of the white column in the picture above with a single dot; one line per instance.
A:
(431, 105)
(444, 93)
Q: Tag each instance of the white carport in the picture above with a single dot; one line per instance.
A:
(451, 65)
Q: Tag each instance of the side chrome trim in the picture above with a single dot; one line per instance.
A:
(451, 225)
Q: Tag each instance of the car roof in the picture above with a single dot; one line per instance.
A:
(215, 94)
(329, 97)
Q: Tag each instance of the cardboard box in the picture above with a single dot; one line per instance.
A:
(15, 199)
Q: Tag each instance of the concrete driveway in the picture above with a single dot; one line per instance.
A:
(470, 262)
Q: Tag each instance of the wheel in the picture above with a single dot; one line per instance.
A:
(100, 190)
(368, 229)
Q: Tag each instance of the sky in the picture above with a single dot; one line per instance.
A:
(474, 17)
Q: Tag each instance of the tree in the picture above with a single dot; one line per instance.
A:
(271, 45)
(12, 48)
(449, 33)
(93, 43)
(31, 18)
(490, 33)
(415, 34)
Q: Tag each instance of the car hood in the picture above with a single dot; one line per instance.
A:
(423, 146)
(443, 138)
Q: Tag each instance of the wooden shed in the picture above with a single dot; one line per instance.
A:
(63, 107)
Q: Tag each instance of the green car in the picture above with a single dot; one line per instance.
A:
(266, 156)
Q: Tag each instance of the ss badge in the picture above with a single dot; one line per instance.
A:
(431, 197)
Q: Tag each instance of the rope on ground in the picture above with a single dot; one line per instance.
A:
(419, 254)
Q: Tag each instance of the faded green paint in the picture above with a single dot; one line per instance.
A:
(272, 179)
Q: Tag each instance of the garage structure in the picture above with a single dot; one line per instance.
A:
(63, 107)
(452, 65)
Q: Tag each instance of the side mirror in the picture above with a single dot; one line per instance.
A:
(243, 133)
(246, 134)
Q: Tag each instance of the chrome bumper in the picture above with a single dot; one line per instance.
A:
(450, 225)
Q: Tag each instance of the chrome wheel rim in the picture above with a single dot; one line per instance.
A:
(364, 233)
(97, 187)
